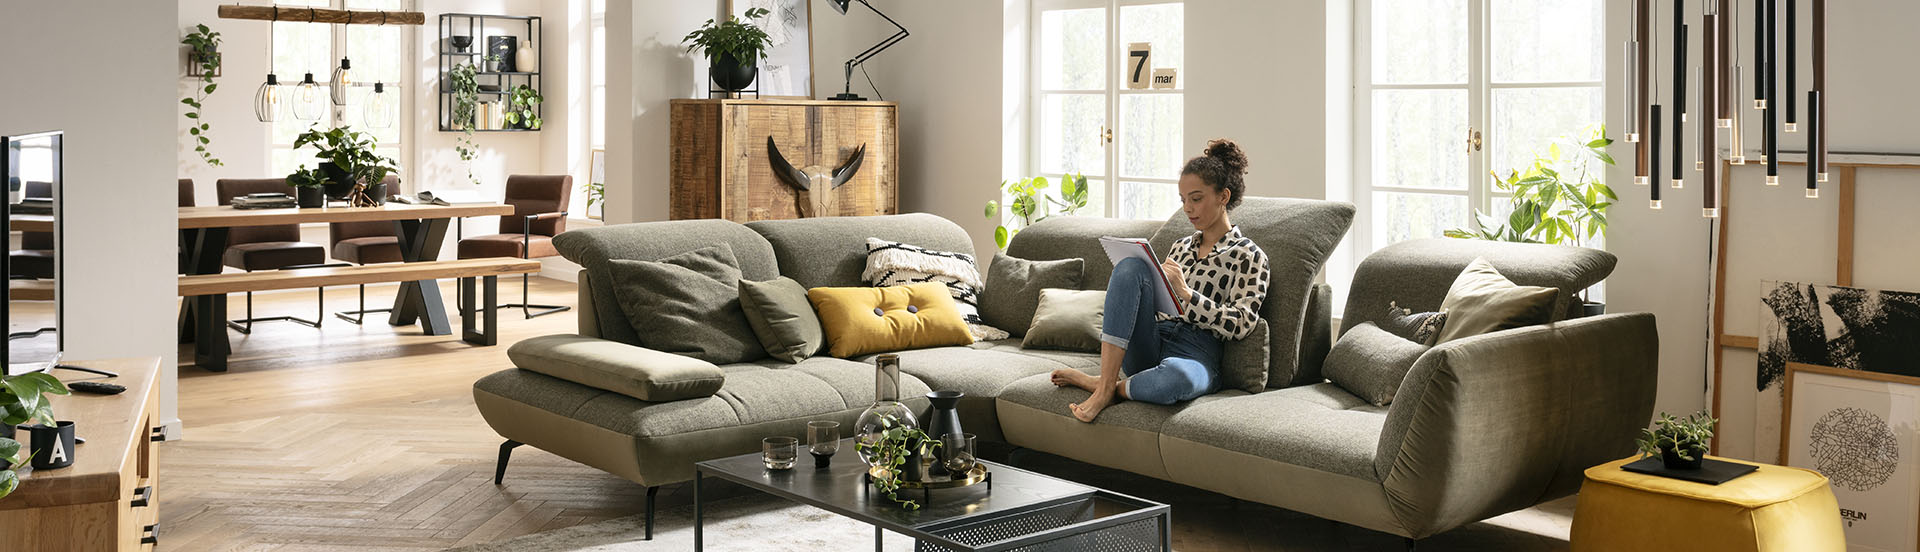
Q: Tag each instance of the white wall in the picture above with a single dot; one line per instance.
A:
(114, 98)
(1665, 263)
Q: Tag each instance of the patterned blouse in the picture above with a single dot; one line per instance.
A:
(1228, 285)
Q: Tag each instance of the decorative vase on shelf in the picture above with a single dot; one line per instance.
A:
(525, 59)
(886, 413)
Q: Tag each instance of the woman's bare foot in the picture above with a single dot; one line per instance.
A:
(1068, 376)
(1090, 409)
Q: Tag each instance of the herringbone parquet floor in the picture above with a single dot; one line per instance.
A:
(363, 437)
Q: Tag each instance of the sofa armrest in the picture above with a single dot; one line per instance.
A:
(636, 372)
(1498, 422)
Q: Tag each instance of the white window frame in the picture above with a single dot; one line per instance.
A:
(1114, 90)
(1480, 192)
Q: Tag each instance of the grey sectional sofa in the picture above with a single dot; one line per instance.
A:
(1481, 426)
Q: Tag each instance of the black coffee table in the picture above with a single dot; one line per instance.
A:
(1022, 509)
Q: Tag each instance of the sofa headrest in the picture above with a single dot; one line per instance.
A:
(832, 251)
(1416, 274)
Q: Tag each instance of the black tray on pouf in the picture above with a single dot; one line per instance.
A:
(1711, 472)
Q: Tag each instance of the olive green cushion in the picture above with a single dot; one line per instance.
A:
(687, 304)
(1483, 301)
(1246, 363)
(1371, 362)
(1067, 320)
(636, 372)
(782, 318)
(1013, 289)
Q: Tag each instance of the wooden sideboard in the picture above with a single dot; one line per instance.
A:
(721, 168)
(106, 500)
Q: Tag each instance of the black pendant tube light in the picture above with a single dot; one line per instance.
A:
(1813, 143)
(1771, 117)
(1709, 169)
(1653, 149)
(1817, 157)
(1759, 53)
(1793, 68)
(1679, 97)
(1722, 63)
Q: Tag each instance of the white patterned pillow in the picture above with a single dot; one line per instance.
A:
(896, 264)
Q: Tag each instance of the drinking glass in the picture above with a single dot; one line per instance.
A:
(779, 452)
(956, 451)
(823, 439)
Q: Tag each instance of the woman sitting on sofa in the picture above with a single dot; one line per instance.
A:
(1219, 277)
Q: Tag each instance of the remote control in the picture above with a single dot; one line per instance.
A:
(97, 388)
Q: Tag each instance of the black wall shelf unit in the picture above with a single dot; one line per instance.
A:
(495, 86)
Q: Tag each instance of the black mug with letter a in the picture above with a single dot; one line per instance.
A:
(52, 445)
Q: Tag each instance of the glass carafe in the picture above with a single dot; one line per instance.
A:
(886, 413)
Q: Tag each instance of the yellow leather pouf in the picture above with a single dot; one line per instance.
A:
(1777, 508)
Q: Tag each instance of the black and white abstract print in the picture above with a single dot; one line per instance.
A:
(1840, 327)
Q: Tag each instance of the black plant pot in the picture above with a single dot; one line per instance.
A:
(339, 182)
(378, 191)
(1674, 462)
(52, 445)
(1593, 309)
(731, 75)
(310, 196)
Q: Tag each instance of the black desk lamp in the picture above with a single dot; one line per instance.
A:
(841, 6)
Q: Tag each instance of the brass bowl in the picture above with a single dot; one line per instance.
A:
(975, 476)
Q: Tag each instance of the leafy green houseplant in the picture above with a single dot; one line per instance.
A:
(523, 107)
(732, 48)
(596, 193)
(466, 100)
(1558, 198)
(347, 158)
(23, 399)
(1680, 442)
(890, 454)
(204, 54)
(1028, 202)
(308, 185)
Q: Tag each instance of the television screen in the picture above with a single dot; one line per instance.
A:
(32, 317)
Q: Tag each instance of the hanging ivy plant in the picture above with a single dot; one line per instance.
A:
(466, 96)
(205, 54)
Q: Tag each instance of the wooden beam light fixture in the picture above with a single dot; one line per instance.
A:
(322, 15)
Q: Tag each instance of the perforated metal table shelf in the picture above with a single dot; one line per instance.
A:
(1023, 510)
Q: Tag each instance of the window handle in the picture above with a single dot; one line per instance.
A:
(1106, 134)
(1473, 140)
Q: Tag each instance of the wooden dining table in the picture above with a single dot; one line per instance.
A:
(421, 229)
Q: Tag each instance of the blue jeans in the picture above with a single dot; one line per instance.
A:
(1166, 361)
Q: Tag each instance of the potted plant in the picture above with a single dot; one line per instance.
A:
(523, 107)
(23, 399)
(733, 48)
(1557, 199)
(466, 100)
(1681, 443)
(1030, 203)
(309, 186)
(894, 456)
(348, 161)
(596, 193)
(203, 61)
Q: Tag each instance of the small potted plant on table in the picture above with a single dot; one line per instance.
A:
(23, 399)
(1681, 443)
(309, 186)
(733, 48)
(353, 171)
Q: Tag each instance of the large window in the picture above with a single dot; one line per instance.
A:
(1449, 91)
(379, 53)
(1126, 141)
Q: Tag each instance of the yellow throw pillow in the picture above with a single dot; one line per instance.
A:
(862, 320)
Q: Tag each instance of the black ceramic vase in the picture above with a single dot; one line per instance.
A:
(1673, 461)
(731, 75)
(310, 196)
(944, 416)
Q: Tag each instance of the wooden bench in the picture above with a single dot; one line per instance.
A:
(482, 332)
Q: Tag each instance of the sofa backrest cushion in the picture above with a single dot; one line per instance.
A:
(832, 251)
(591, 248)
(1059, 238)
(1416, 274)
(1297, 235)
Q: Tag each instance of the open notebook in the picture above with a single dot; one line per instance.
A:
(1119, 249)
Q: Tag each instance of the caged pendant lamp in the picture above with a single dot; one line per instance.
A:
(306, 99)
(266, 100)
(380, 108)
(342, 78)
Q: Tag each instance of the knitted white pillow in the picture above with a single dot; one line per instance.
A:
(895, 264)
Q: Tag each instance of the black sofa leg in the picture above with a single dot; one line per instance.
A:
(500, 467)
(1412, 543)
(650, 492)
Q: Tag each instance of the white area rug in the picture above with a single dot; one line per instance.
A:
(756, 523)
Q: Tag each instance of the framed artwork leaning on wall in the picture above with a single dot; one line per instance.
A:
(1862, 430)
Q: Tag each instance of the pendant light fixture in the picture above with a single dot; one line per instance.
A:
(380, 111)
(1814, 145)
(1633, 89)
(306, 99)
(1817, 157)
(1770, 136)
(1792, 125)
(1679, 135)
(342, 77)
(1654, 151)
(266, 100)
(1640, 54)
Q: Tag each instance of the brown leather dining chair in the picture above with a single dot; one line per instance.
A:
(364, 243)
(34, 259)
(272, 247)
(539, 213)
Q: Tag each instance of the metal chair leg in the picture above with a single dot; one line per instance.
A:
(527, 307)
(245, 325)
(500, 466)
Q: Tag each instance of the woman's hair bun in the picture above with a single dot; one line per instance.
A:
(1228, 153)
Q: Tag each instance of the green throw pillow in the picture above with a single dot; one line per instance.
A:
(1244, 362)
(1067, 320)
(1371, 362)
(1483, 301)
(687, 304)
(1013, 289)
(782, 317)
